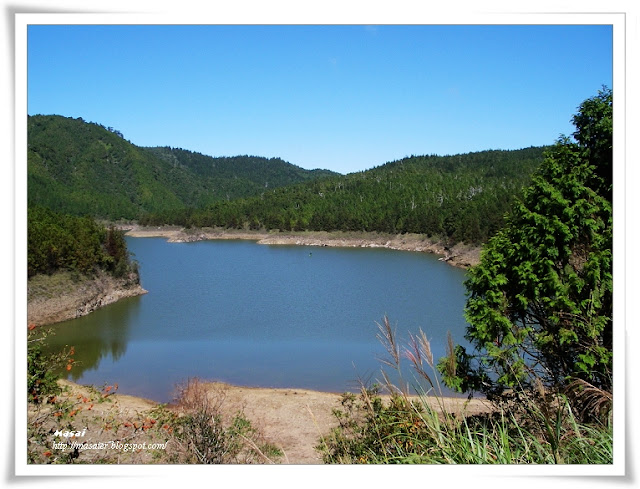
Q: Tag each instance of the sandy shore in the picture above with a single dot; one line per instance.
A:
(294, 420)
(460, 255)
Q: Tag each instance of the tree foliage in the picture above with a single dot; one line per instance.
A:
(62, 242)
(540, 301)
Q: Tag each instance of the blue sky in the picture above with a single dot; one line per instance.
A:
(346, 98)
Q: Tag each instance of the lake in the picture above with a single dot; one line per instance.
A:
(266, 316)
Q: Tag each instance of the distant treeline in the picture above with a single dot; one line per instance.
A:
(461, 197)
(62, 242)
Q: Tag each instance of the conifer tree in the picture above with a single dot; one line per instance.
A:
(540, 301)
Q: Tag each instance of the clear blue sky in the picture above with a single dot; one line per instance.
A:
(346, 98)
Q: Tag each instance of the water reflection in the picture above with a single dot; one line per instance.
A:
(103, 334)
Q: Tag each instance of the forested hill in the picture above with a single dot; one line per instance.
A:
(253, 171)
(461, 197)
(83, 168)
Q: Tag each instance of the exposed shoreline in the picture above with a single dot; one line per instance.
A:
(52, 299)
(459, 255)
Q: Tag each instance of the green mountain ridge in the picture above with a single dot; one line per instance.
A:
(81, 168)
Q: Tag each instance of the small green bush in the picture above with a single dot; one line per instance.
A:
(42, 382)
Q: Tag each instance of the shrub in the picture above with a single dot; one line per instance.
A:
(203, 437)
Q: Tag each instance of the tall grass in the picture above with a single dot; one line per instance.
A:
(402, 428)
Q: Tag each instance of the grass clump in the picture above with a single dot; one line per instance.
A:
(399, 427)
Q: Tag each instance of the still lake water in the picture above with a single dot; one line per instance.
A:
(258, 315)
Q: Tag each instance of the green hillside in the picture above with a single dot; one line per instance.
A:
(460, 197)
(86, 169)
